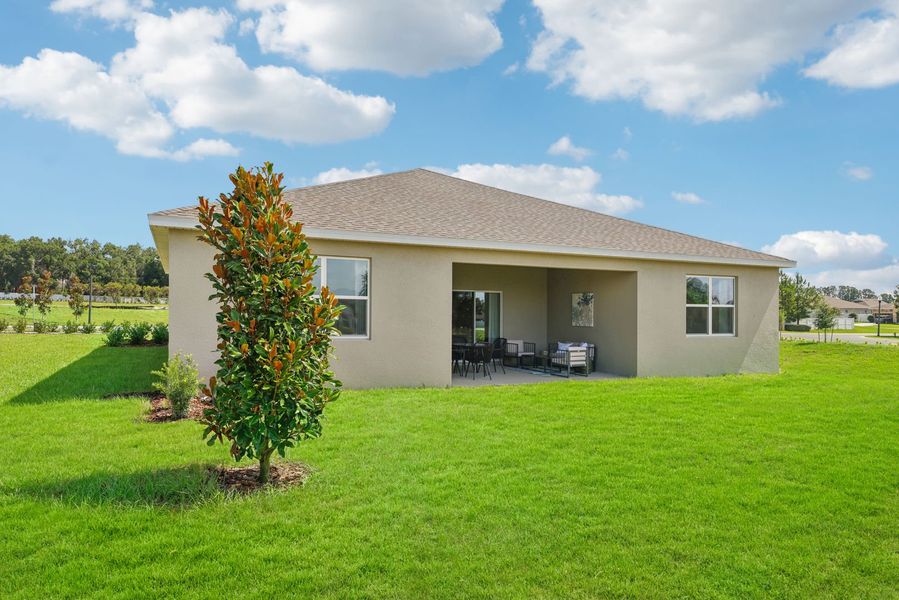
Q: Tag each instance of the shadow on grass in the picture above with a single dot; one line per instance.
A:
(175, 487)
(101, 372)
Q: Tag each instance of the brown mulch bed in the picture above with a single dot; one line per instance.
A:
(243, 480)
(161, 412)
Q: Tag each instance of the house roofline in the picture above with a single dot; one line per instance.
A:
(159, 222)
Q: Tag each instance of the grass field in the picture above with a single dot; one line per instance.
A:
(60, 313)
(740, 486)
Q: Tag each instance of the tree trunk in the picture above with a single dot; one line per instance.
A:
(265, 463)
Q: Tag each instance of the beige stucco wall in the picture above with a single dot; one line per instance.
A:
(614, 330)
(410, 329)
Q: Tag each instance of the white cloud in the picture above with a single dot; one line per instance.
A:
(565, 147)
(181, 74)
(858, 172)
(67, 87)
(511, 69)
(832, 250)
(687, 198)
(405, 37)
(344, 174)
(181, 60)
(880, 279)
(701, 58)
(204, 147)
(627, 133)
(866, 53)
(575, 186)
(621, 154)
(110, 10)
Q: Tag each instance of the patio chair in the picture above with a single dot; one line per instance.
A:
(520, 350)
(568, 359)
(477, 355)
(498, 352)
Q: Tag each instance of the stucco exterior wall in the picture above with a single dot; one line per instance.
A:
(664, 348)
(640, 310)
(614, 330)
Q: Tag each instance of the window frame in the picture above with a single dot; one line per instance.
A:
(502, 309)
(710, 306)
(323, 282)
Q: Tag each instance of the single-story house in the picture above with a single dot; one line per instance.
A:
(848, 308)
(419, 257)
(878, 308)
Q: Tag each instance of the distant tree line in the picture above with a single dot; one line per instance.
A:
(853, 294)
(127, 268)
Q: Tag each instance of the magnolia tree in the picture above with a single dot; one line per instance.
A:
(24, 301)
(76, 296)
(43, 299)
(274, 326)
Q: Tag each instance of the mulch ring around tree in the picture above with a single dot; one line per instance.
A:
(161, 411)
(245, 480)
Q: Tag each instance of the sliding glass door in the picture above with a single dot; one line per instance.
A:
(476, 315)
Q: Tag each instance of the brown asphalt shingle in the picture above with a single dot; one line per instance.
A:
(424, 203)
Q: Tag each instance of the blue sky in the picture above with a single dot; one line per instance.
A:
(777, 132)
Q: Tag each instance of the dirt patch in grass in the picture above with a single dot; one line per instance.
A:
(161, 411)
(244, 480)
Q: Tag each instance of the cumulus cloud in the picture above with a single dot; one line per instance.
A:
(110, 10)
(701, 58)
(343, 174)
(181, 74)
(405, 37)
(858, 172)
(831, 250)
(67, 87)
(575, 186)
(687, 198)
(203, 147)
(866, 54)
(880, 279)
(565, 147)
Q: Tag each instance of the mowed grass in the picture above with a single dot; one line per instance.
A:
(60, 313)
(740, 486)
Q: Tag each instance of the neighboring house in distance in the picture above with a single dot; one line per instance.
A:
(879, 308)
(847, 308)
(419, 257)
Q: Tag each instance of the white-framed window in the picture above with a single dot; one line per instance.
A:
(349, 280)
(711, 305)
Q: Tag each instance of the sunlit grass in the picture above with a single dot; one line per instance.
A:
(740, 486)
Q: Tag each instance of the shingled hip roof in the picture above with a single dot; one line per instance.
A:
(429, 208)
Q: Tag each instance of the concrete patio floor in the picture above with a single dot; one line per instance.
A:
(515, 376)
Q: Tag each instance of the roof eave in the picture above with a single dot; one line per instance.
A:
(169, 221)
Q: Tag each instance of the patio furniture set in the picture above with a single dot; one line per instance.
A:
(561, 358)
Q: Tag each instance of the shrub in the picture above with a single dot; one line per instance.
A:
(870, 318)
(20, 326)
(88, 328)
(274, 332)
(179, 382)
(4, 324)
(159, 333)
(795, 327)
(44, 326)
(70, 327)
(137, 334)
(107, 326)
(116, 336)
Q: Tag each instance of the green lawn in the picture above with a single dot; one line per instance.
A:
(60, 313)
(741, 486)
